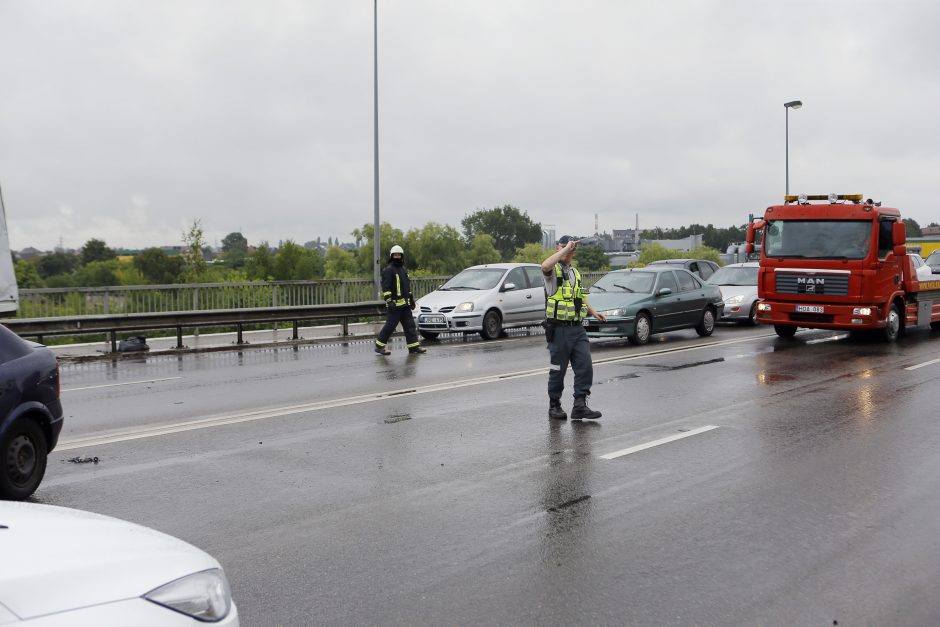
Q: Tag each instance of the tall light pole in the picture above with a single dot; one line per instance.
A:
(376, 252)
(793, 104)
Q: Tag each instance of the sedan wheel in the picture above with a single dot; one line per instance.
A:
(706, 325)
(752, 317)
(22, 460)
(641, 330)
(492, 325)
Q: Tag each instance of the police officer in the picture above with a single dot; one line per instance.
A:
(566, 306)
(396, 290)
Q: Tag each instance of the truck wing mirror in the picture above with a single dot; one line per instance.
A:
(898, 233)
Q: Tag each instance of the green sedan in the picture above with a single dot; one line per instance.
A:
(642, 301)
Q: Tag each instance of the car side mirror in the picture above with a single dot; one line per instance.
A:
(665, 291)
(508, 287)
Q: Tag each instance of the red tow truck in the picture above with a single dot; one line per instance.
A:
(838, 262)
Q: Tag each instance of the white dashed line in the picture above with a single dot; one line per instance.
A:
(671, 438)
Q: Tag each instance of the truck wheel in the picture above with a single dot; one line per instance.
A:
(641, 330)
(785, 330)
(893, 324)
(22, 459)
(492, 325)
(429, 335)
(706, 325)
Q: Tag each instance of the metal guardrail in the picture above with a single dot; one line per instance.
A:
(78, 311)
(136, 299)
(114, 323)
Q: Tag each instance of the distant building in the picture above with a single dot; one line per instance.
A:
(30, 253)
(930, 230)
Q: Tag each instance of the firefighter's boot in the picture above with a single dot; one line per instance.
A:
(382, 350)
(555, 410)
(417, 350)
(581, 411)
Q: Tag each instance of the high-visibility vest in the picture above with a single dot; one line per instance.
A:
(567, 303)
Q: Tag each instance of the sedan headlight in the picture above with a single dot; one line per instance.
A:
(204, 596)
(468, 306)
(735, 300)
(619, 312)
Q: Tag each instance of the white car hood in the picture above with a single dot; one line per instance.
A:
(437, 299)
(727, 291)
(56, 559)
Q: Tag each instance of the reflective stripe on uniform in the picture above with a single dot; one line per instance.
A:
(561, 304)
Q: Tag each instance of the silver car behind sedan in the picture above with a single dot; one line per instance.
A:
(738, 285)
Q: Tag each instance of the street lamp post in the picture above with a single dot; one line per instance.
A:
(793, 104)
(376, 252)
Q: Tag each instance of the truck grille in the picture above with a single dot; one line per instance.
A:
(828, 284)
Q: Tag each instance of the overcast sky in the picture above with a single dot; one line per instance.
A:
(125, 120)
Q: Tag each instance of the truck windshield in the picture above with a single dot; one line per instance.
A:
(818, 239)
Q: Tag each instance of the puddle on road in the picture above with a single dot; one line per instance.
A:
(568, 504)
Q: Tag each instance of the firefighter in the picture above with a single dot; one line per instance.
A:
(566, 306)
(396, 290)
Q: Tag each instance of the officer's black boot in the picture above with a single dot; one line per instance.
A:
(581, 411)
(555, 410)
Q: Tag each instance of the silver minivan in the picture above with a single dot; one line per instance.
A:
(484, 299)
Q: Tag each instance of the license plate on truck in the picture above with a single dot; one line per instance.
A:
(809, 308)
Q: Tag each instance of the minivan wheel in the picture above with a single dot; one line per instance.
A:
(492, 325)
(22, 459)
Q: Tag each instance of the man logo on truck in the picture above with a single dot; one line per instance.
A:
(808, 284)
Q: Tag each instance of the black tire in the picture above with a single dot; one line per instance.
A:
(785, 330)
(893, 327)
(429, 335)
(752, 316)
(642, 330)
(706, 325)
(23, 452)
(492, 325)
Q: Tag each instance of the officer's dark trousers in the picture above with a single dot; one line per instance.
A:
(570, 345)
(407, 320)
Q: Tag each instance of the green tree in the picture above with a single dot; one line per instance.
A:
(435, 249)
(235, 249)
(339, 263)
(655, 252)
(98, 274)
(509, 227)
(260, 264)
(705, 252)
(293, 262)
(27, 276)
(157, 267)
(388, 237)
(96, 250)
(195, 264)
(591, 258)
(912, 228)
(57, 263)
(482, 250)
(531, 253)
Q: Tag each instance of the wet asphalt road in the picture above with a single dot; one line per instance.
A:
(338, 487)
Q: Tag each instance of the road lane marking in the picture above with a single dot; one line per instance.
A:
(275, 412)
(671, 438)
(112, 385)
(926, 363)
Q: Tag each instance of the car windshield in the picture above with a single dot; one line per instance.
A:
(475, 279)
(734, 276)
(933, 259)
(818, 239)
(626, 282)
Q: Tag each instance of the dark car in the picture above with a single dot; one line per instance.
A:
(641, 301)
(30, 413)
(933, 261)
(702, 268)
